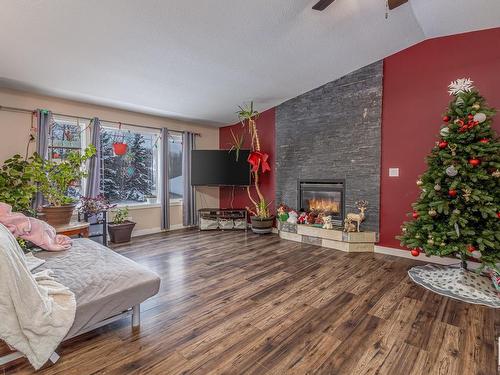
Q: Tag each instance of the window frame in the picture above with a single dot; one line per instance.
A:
(156, 162)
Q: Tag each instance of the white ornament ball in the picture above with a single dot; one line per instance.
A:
(480, 117)
(437, 187)
(420, 182)
(451, 171)
(444, 131)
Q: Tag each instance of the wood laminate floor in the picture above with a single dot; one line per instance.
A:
(236, 303)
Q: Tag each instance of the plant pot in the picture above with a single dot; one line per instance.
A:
(120, 148)
(262, 226)
(120, 233)
(58, 215)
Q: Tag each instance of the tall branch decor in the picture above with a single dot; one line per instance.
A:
(257, 160)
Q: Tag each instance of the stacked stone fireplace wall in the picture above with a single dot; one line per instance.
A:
(334, 132)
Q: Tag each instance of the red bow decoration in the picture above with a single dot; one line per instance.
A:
(257, 158)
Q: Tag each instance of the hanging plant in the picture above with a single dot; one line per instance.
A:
(119, 146)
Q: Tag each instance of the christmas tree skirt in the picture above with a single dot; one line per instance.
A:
(457, 283)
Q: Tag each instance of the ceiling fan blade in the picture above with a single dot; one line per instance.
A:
(395, 3)
(322, 4)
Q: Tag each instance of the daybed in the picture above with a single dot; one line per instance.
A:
(107, 286)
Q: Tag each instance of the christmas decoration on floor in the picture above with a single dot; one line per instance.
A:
(457, 283)
(458, 207)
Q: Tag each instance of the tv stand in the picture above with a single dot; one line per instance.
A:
(207, 217)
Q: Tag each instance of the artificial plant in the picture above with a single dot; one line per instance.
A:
(458, 211)
(257, 159)
(55, 177)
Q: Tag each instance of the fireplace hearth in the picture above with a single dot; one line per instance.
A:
(323, 196)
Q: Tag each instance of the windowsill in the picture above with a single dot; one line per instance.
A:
(141, 206)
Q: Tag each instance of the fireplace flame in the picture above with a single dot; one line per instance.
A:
(324, 205)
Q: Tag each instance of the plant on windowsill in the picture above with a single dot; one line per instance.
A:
(92, 208)
(16, 184)
(54, 178)
(261, 218)
(120, 230)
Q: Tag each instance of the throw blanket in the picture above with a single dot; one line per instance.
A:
(36, 311)
(33, 230)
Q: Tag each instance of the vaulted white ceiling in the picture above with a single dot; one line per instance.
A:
(200, 59)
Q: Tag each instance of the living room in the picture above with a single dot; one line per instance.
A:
(250, 188)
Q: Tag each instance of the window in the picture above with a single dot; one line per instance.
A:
(175, 180)
(67, 134)
(131, 178)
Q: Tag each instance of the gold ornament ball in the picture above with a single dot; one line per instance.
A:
(432, 213)
(442, 244)
(496, 173)
(420, 182)
(430, 241)
(437, 187)
(476, 106)
(417, 236)
(456, 211)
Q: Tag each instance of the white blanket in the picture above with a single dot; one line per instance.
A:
(36, 311)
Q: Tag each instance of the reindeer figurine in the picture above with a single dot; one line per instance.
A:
(352, 218)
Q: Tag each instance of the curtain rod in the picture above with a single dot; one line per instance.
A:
(23, 110)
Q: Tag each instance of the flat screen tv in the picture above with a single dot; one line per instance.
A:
(219, 168)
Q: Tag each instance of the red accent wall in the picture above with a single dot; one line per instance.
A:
(414, 98)
(266, 129)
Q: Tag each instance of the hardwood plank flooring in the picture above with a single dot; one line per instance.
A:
(236, 303)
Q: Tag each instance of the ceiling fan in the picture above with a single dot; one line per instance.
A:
(323, 4)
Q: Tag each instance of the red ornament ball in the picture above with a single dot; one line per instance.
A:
(484, 140)
(452, 193)
(474, 162)
(415, 252)
(471, 248)
(446, 118)
(442, 144)
(498, 215)
(415, 215)
(470, 117)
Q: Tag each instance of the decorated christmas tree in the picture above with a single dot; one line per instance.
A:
(458, 211)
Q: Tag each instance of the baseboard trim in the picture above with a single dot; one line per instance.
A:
(144, 232)
(423, 258)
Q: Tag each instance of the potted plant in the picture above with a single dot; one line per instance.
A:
(17, 187)
(54, 178)
(151, 198)
(91, 208)
(261, 218)
(120, 230)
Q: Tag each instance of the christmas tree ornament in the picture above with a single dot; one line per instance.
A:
(470, 117)
(446, 118)
(432, 212)
(476, 106)
(415, 252)
(466, 194)
(456, 211)
(479, 117)
(484, 140)
(442, 244)
(442, 144)
(444, 131)
(419, 182)
(452, 193)
(430, 241)
(496, 173)
(415, 215)
(437, 187)
(474, 162)
(453, 149)
(451, 171)
(470, 248)
(460, 85)
(498, 215)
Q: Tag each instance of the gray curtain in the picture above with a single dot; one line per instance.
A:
(189, 214)
(93, 188)
(165, 188)
(44, 123)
